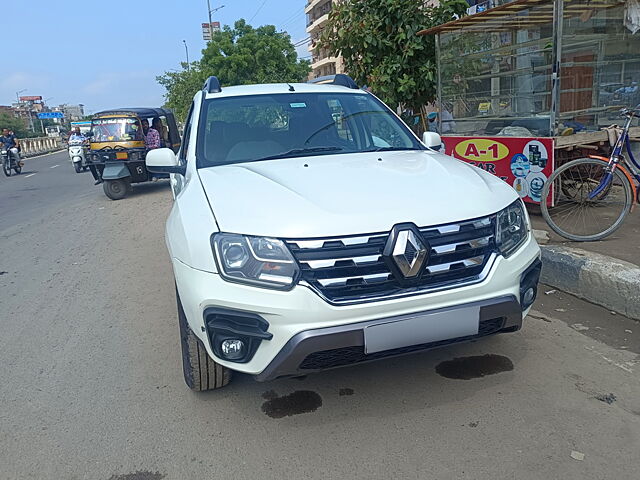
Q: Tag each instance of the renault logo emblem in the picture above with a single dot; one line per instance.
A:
(405, 252)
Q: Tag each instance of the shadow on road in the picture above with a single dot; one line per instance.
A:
(149, 187)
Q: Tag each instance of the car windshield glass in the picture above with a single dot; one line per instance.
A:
(116, 130)
(264, 127)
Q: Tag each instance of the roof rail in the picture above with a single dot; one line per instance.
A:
(344, 80)
(337, 79)
(212, 85)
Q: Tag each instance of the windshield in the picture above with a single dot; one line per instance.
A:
(116, 130)
(262, 127)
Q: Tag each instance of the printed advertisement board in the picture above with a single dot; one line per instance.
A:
(31, 98)
(525, 163)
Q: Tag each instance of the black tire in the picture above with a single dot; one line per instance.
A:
(116, 189)
(6, 169)
(201, 372)
(602, 226)
(77, 167)
(17, 169)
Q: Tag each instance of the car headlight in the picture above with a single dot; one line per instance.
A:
(261, 261)
(511, 228)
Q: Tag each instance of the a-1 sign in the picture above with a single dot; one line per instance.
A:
(44, 115)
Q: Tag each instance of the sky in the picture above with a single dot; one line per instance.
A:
(107, 54)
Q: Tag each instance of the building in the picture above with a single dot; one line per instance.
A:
(71, 112)
(321, 62)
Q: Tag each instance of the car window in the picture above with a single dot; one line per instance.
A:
(258, 127)
(187, 134)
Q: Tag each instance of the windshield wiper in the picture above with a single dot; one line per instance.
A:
(299, 151)
(391, 149)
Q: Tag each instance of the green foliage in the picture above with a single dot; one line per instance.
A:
(379, 44)
(181, 87)
(18, 125)
(237, 56)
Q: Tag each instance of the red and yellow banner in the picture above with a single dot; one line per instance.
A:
(525, 163)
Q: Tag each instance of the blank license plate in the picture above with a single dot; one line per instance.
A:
(421, 328)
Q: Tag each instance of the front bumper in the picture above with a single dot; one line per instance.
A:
(315, 350)
(300, 320)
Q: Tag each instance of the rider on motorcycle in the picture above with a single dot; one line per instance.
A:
(76, 135)
(11, 144)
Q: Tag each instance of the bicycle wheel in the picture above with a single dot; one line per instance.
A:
(576, 216)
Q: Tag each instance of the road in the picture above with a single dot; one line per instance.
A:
(91, 384)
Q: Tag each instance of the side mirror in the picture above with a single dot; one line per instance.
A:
(432, 140)
(163, 160)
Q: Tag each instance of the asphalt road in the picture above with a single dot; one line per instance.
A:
(91, 384)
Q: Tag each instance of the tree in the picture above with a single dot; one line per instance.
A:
(18, 125)
(237, 56)
(379, 44)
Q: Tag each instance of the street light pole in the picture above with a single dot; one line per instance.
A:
(209, 11)
(186, 51)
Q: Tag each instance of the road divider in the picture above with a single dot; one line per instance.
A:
(30, 147)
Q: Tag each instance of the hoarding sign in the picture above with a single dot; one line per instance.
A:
(31, 98)
(208, 29)
(44, 115)
(525, 163)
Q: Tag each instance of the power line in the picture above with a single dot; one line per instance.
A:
(291, 18)
(302, 42)
(257, 11)
(294, 18)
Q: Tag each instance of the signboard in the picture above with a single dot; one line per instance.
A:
(31, 98)
(44, 115)
(208, 29)
(525, 163)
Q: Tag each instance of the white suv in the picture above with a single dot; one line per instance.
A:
(312, 229)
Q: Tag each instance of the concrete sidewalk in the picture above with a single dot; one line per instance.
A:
(606, 273)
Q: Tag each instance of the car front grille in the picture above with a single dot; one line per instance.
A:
(351, 269)
(339, 357)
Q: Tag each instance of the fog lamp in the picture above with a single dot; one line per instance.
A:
(529, 296)
(232, 348)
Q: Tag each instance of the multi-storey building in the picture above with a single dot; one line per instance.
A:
(321, 62)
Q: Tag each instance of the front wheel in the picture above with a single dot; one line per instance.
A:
(200, 371)
(6, 168)
(590, 204)
(116, 189)
(77, 167)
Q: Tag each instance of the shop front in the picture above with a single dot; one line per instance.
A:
(531, 84)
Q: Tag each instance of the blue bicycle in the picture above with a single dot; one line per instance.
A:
(592, 196)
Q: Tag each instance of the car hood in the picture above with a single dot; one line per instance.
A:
(336, 195)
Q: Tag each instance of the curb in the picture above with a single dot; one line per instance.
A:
(599, 279)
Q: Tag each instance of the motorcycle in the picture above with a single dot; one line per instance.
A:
(9, 163)
(77, 156)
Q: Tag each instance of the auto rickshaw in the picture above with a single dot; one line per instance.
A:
(117, 152)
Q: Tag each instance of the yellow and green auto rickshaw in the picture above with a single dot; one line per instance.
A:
(118, 151)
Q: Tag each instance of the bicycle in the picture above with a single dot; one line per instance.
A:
(593, 195)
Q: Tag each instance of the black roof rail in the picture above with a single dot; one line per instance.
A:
(344, 80)
(337, 79)
(212, 85)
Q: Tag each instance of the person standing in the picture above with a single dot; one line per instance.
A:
(151, 136)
